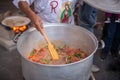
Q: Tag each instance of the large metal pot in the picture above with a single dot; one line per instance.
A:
(111, 6)
(70, 34)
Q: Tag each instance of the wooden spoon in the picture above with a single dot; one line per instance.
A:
(51, 48)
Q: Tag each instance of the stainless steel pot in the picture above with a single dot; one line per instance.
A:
(70, 34)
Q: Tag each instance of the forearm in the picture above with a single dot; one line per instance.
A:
(36, 20)
(23, 5)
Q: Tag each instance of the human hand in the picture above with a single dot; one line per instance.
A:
(36, 20)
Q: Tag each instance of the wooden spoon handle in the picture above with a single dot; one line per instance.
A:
(45, 36)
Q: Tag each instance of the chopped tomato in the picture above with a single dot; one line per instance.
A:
(66, 54)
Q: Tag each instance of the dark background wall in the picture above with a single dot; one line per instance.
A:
(7, 5)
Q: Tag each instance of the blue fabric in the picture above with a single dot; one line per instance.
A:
(116, 41)
(87, 16)
(111, 34)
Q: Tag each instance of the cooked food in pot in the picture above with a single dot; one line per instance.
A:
(67, 54)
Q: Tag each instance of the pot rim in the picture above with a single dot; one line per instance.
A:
(51, 65)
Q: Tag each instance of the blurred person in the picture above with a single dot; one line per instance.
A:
(87, 16)
(115, 63)
(111, 38)
(87, 19)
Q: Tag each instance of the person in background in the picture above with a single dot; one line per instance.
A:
(111, 37)
(115, 63)
(87, 19)
(87, 16)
